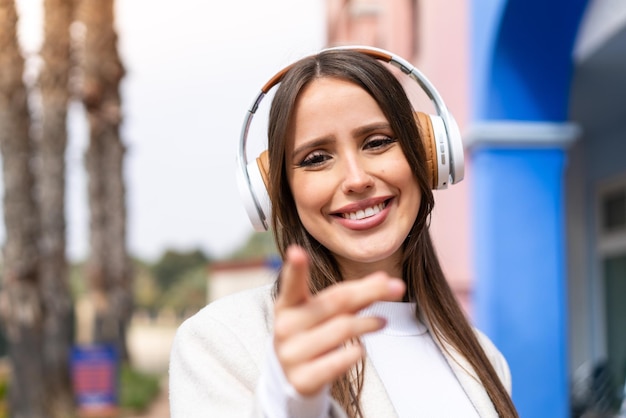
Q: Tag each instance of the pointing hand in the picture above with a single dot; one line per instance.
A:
(314, 334)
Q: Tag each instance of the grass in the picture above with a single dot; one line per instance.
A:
(137, 390)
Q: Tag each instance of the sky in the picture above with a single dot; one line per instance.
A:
(193, 69)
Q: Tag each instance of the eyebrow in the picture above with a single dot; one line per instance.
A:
(360, 131)
(315, 143)
(366, 129)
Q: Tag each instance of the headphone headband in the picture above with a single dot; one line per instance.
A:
(447, 150)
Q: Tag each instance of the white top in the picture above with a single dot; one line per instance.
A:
(415, 374)
(417, 377)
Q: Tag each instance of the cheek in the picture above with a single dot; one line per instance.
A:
(405, 179)
(399, 172)
(306, 194)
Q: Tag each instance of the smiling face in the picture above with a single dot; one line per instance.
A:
(352, 185)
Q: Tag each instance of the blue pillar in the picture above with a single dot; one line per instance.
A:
(520, 294)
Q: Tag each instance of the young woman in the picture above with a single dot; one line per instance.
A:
(361, 322)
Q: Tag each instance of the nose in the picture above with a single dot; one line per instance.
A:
(357, 178)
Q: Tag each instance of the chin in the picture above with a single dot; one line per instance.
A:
(371, 257)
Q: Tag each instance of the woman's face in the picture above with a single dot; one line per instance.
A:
(353, 188)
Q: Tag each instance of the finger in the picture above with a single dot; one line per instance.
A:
(307, 346)
(294, 279)
(312, 377)
(342, 298)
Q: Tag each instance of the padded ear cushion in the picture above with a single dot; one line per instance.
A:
(263, 161)
(427, 135)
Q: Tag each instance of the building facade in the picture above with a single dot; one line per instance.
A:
(537, 230)
(228, 277)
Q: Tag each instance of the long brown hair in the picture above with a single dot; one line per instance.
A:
(422, 273)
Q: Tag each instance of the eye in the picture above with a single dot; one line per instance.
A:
(314, 159)
(379, 142)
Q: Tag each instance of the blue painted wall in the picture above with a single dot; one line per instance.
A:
(522, 71)
(520, 288)
(521, 58)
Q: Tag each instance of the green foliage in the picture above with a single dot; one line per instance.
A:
(77, 280)
(259, 245)
(190, 292)
(183, 276)
(146, 291)
(177, 279)
(4, 391)
(137, 390)
(174, 264)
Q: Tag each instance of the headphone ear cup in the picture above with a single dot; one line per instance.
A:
(444, 149)
(253, 191)
(457, 154)
(425, 128)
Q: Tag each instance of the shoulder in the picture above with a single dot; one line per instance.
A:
(496, 358)
(245, 309)
(236, 305)
(217, 355)
(242, 319)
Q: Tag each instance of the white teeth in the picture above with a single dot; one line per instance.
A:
(365, 213)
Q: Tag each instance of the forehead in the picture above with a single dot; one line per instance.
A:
(327, 87)
(327, 106)
(331, 96)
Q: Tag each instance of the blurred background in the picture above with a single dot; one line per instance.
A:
(119, 126)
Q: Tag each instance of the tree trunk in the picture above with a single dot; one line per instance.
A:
(109, 264)
(20, 303)
(58, 324)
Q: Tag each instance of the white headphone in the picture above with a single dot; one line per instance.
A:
(439, 133)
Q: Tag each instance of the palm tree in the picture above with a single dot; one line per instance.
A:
(53, 83)
(21, 304)
(109, 266)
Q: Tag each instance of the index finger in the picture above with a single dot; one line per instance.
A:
(294, 279)
(346, 298)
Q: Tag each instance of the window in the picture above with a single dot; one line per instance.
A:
(614, 211)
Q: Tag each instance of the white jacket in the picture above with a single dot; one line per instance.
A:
(218, 354)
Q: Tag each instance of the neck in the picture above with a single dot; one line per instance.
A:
(351, 270)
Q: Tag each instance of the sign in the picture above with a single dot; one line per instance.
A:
(95, 377)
